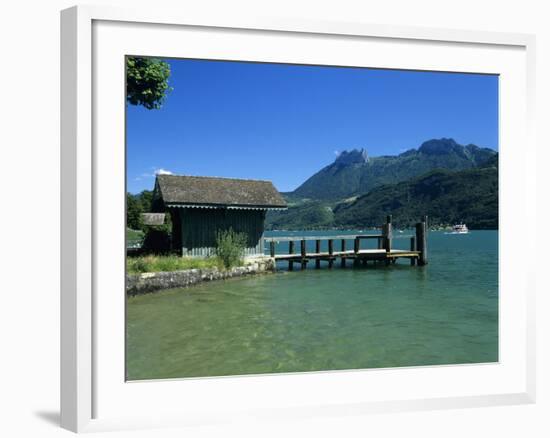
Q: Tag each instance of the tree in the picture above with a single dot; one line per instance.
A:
(133, 212)
(142, 203)
(147, 82)
(146, 199)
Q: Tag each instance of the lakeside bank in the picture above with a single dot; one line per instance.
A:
(149, 282)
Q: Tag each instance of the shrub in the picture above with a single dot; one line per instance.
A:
(230, 247)
(156, 240)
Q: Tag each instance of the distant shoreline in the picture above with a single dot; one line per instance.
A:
(367, 229)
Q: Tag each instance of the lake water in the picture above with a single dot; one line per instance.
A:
(367, 317)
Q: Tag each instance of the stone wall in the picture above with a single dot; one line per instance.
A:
(137, 284)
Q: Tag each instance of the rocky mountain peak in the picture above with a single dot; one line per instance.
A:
(440, 146)
(355, 156)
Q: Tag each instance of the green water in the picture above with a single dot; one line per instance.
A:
(377, 316)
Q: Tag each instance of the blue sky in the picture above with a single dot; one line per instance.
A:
(285, 122)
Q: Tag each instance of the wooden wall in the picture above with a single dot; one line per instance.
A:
(194, 229)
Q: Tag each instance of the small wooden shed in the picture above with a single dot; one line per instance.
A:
(201, 206)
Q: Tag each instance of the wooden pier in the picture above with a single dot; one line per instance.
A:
(383, 253)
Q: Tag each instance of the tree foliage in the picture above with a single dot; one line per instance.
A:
(133, 212)
(135, 206)
(469, 196)
(310, 215)
(147, 82)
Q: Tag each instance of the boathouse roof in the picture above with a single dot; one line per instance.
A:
(214, 192)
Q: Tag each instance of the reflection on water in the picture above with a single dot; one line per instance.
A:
(444, 313)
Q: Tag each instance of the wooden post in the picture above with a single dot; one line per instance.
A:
(356, 249)
(342, 257)
(388, 234)
(290, 251)
(272, 248)
(425, 239)
(419, 240)
(317, 251)
(421, 243)
(330, 252)
(388, 237)
(303, 253)
(413, 248)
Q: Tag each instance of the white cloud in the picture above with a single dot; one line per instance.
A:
(336, 153)
(155, 171)
(162, 171)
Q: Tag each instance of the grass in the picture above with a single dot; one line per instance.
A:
(133, 234)
(155, 263)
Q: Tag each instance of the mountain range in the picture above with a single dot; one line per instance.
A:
(447, 181)
(355, 173)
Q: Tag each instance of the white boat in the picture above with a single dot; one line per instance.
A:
(459, 229)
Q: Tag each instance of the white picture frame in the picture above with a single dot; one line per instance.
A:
(90, 360)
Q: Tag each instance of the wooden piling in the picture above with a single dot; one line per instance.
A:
(413, 248)
(342, 258)
(330, 252)
(426, 228)
(388, 234)
(272, 248)
(356, 248)
(317, 251)
(290, 251)
(303, 253)
(421, 243)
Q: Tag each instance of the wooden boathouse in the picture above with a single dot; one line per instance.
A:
(201, 206)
